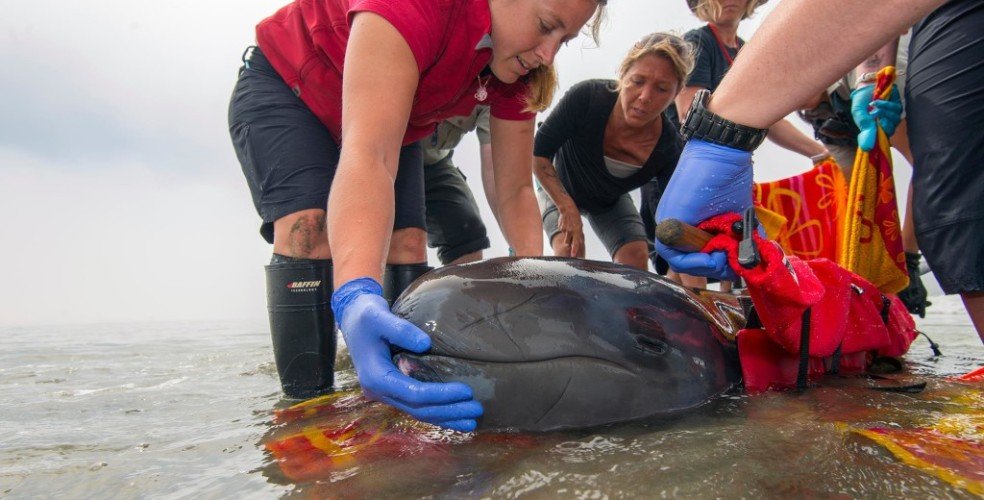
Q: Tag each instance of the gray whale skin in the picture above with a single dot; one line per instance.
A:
(555, 343)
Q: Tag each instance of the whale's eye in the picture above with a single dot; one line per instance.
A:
(650, 345)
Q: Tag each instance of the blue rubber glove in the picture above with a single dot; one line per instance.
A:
(709, 179)
(370, 328)
(888, 114)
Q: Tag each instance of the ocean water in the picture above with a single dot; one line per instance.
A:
(184, 410)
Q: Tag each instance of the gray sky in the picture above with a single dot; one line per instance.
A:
(120, 196)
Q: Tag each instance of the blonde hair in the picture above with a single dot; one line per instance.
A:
(596, 21)
(674, 49)
(541, 84)
(709, 10)
(542, 81)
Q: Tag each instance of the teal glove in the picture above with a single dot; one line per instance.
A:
(370, 328)
(868, 114)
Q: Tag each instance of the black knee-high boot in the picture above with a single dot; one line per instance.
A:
(397, 277)
(302, 325)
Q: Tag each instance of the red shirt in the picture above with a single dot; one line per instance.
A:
(305, 42)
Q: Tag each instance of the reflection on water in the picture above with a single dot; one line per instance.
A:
(187, 410)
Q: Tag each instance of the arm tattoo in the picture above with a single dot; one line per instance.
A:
(873, 63)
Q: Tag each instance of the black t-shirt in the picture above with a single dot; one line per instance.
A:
(710, 64)
(573, 137)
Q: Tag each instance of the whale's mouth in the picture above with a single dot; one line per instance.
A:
(561, 392)
(414, 367)
(419, 366)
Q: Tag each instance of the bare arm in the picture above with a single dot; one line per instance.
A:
(779, 68)
(683, 101)
(787, 136)
(488, 178)
(884, 57)
(515, 202)
(783, 133)
(375, 112)
(569, 222)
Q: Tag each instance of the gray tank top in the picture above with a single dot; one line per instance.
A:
(620, 169)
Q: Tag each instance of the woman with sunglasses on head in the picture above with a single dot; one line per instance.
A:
(335, 98)
(604, 139)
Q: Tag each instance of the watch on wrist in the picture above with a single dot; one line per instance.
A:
(706, 126)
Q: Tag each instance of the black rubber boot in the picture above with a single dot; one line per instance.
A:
(397, 277)
(302, 325)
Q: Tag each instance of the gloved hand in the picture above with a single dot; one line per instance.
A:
(709, 180)
(888, 114)
(370, 329)
(914, 295)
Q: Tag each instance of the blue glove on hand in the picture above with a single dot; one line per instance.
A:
(370, 328)
(709, 179)
(888, 114)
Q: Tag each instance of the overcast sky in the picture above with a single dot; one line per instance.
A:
(120, 196)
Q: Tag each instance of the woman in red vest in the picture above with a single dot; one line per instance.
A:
(335, 97)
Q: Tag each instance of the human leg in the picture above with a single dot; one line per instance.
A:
(649, 195)
(974, 303)
(634, 253)
(914, 295)
(944, 105)
(289, 159)
(454, 223)
(691, 281)
(844, 156)
(900, 141)
(621, 230)
(407, 257)
(551, 217)
(956, 255)
(302, 234)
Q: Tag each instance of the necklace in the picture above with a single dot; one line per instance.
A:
(482, 94)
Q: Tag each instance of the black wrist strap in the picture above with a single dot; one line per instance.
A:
(706, 126)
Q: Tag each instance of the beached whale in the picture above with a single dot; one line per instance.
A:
(555, 343)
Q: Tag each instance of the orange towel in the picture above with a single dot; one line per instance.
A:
(812, 204)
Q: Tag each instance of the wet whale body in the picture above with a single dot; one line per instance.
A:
(554, 343)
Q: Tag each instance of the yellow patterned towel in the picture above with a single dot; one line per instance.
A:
(871, 235)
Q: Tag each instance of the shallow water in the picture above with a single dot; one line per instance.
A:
(183, 410)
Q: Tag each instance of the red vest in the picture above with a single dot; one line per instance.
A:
(305, 42)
